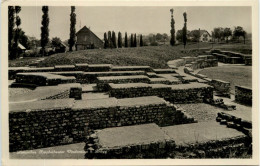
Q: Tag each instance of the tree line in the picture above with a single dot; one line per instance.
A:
(110, 40)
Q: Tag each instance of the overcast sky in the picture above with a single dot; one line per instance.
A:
(140, 20)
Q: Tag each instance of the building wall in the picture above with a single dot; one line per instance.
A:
(205, 37)
(86, 39)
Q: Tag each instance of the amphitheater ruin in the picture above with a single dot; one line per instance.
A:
(131, 111)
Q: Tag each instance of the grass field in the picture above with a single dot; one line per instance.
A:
(154, 56)
(235, 74)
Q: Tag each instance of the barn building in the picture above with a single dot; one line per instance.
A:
(86, 39)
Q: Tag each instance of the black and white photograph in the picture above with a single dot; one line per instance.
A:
(90, 82)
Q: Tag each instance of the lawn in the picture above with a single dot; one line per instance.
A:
(235, 74)
(154, 56)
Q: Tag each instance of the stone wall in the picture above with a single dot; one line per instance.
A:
(181, 93)
(243, 95)
(222, 87)
(102, 83)
(248, 61)
(55, 122)
(235, 147)
(43, 79)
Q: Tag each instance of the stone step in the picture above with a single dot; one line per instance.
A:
(91, 77)
(130, 141)
(43, 79)
(164, 71)
(131, 68)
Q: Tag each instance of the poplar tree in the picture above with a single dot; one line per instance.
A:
(185, 29)
(126, 40)
(114, 39)
(141, 41)
(11, 18)
(119, 40)
(172, 41)
(132, 41)
(44, 28)
(135, 43)
(109, 39)
(72, 39)
(106, 40)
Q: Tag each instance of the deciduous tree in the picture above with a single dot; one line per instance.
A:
(11, 18)
(239, 31)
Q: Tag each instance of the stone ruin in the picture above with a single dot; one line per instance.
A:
(119, 111)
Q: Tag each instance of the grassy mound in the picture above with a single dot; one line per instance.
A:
(156, 57)
(236, 75)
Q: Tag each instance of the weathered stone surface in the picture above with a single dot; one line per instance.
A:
(41, 105)
(143, 141)
(130, 135)
(221, 87)
(44, 92)
(199, 133)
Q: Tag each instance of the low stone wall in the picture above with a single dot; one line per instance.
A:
(235, 122)
(12, 71)
(42, 79)
(55, 122)
(248, 61)
(91, 77)
(243, 95)
(181, 93)
(225, 148)
(222, 87)
(164, 71)
(64, 68)
(132, 68)
(103, 81)
(99, 67)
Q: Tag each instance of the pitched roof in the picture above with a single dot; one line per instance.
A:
(203, 31)
(87, 29)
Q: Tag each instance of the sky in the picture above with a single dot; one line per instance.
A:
(140, 20)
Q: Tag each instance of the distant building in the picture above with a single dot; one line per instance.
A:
(86, 39)
(205, 36)
(196, 35)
